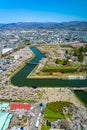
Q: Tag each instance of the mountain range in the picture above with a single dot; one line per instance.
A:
(74, 25)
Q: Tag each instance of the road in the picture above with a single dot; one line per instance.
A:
(36, 111)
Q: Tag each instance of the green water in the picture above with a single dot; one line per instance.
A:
(82, 95)
(20, 80)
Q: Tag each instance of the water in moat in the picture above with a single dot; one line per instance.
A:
(82, 95)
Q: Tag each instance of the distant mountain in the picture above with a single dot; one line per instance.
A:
(74, 25)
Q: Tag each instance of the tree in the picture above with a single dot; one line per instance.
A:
(65, 124)
(81, 57)
(79, 53)
(27, 42)
(57, 61)
(64, 62)
(66, 52)
(48, 123)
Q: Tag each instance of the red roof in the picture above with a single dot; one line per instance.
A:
(15, 106)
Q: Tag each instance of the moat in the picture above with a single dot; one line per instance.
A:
(20, 78)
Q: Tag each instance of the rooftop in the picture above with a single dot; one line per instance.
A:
(4, 120)
(20, 106)
(6, 50)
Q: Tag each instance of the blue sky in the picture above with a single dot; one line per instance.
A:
(42, 10)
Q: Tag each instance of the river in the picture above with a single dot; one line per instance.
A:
(19, 79)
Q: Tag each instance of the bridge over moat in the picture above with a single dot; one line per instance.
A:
(32, 63)
(79, 88)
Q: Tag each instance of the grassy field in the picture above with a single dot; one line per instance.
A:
(52, 116)
(54, 112)
(45, 127)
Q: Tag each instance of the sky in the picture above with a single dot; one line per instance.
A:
(42, 10)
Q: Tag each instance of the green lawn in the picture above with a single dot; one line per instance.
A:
(76, 64)
(45, 127)
(52, 116)
(54, 112)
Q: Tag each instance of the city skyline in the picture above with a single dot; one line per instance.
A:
(42, 11)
